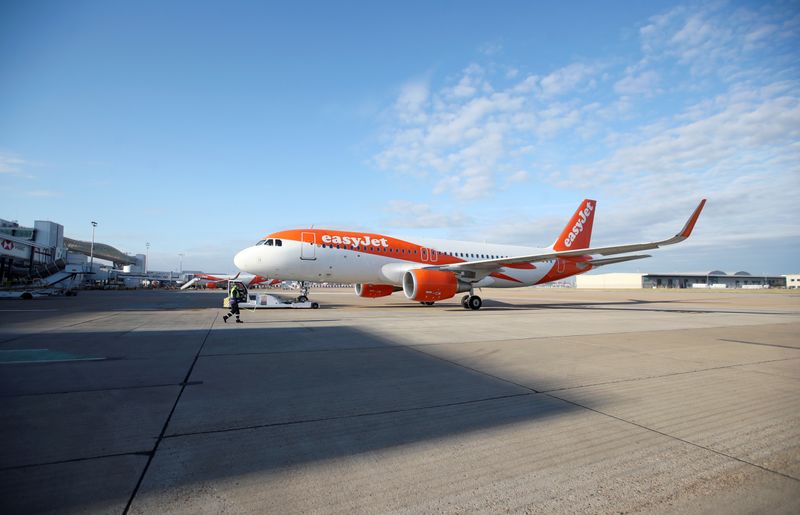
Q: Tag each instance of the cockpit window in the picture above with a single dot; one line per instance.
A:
(260, 242)
(278, 243)
(269, 242)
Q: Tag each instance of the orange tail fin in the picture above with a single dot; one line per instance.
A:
(578, 232)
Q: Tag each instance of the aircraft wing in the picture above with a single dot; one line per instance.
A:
(493, 264)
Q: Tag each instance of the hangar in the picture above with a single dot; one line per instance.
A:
(713, 279)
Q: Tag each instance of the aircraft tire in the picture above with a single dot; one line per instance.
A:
(302, 298)
(314, 305)
(474, 303)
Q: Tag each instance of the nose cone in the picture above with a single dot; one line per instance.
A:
(242, 260)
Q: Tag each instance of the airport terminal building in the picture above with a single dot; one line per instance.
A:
(716, 279)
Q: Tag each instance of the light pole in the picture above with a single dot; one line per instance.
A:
(91, 249)
(146, 256)
(180, 266)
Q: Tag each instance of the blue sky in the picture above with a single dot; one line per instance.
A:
(199, 127)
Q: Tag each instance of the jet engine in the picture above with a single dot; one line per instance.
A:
(431, 285)
(375, 290)
(211, 285)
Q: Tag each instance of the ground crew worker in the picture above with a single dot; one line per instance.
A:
(236, 296)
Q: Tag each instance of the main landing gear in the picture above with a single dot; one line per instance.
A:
(472, 302)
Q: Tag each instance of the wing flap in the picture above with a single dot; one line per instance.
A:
(621, 259)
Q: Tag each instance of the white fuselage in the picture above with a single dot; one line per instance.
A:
(379, 264)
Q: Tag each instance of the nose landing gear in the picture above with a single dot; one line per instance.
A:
(303, 292)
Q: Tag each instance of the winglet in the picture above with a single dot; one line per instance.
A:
(687, 229)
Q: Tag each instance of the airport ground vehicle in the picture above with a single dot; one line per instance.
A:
(258, 300)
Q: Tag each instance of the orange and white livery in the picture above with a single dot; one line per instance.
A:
(427, 270)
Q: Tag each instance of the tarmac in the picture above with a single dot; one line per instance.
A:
(543, 401)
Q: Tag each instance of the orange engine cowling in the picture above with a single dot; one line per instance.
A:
(211, 285)
(375, 290)
(431, 285)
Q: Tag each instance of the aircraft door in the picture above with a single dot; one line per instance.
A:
(430, 255)
(308, 246)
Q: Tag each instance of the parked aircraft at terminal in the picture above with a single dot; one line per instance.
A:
(221, 280)
(432, 270)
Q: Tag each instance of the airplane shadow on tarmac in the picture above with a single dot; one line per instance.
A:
(193, 406)
(496, 305)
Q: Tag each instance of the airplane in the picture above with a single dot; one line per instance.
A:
(428, 271)
(220, 280)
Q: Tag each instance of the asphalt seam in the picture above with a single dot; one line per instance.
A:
(542, 337)
(487, 374)
(759, 343)
(169, 417)
(55, 330)
(488, 310)
(352, 415)
(645, 378)
(91, 390)
(699, 446)
(75, 460)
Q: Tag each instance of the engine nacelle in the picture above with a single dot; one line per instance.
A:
(211, 285)
(431, 285)
(375, 290)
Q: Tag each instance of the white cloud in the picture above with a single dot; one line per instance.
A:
(709, 108)
(644, 83)
(518, 176)
(43, 193)
(567, 79)
(491, 48)
(13, 165)
(422, 216)
(410, 104)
